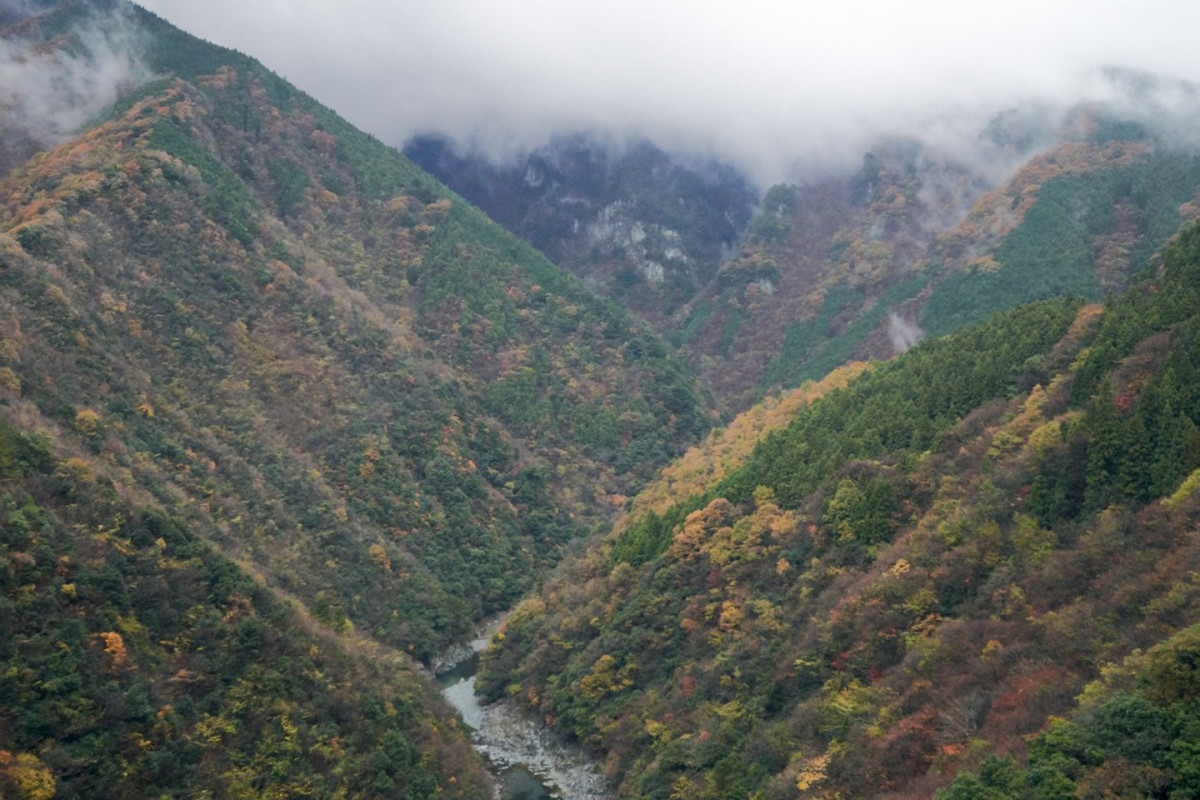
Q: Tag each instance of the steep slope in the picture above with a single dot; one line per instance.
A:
(919, 243)
(1133, 735)
(135, 660)
(637, 224)
(278, 412)
(915, 573)
(345, 375)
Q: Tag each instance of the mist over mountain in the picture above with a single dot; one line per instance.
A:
(779, 90)
(862, 262)
(49, 91)
(284, 417)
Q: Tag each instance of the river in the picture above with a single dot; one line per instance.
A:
(526, 760)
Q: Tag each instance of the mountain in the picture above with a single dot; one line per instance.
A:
(264, 357)
(914, 571)
(282, 417)
(925, 237)
(252, 297)
(920, 243)
(823, 272)
(633, 222)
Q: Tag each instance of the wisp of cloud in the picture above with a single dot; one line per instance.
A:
(772, 86)
(904, 334)
(47, 94)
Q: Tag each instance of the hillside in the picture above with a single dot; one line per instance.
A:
(919, 243)
(358, 382)
(134, 656)
(915, 573)
(635, 223)
(359, 414)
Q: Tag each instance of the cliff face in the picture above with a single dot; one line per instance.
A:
(633, 222)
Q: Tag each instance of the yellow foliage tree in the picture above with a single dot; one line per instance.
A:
(87, 422)
(27, 775)
(380, 557)
(114, 647)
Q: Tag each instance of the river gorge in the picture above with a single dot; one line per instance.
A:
(526, 759)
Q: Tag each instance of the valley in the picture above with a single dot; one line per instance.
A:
(879, 481)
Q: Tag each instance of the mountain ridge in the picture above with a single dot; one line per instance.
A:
(923, 238)
(229, 310)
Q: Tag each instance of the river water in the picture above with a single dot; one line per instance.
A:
(526, 760)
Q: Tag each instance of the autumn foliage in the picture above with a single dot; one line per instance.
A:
(917, 575)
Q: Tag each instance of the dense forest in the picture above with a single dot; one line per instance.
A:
(282, 418)
(132, 655)
(357, 412)
(175, 278)
(909, 577)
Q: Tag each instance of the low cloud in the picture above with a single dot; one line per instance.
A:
(904, 334)
(777, 88)
(49, 91)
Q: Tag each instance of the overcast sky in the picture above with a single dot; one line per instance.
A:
(761, 82)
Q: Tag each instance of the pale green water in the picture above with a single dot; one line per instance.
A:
(515, 782)
(526, 759)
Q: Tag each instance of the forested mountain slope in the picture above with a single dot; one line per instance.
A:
(263, 357)
(136, 661)
(360, 383)
(916, 572)
(919, 243)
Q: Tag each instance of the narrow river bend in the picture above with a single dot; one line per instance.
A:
(526, 760)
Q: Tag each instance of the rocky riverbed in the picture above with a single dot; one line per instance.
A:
(527, 760)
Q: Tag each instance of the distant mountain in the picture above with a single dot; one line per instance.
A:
(924, 238)
(918, 243)
(823, 272)
(633, 222)
(977, 557)
(13, 11)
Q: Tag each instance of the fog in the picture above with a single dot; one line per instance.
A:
(773, 86)
(904, 334)
(48, 94)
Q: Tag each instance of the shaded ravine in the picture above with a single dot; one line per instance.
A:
(526, 759)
